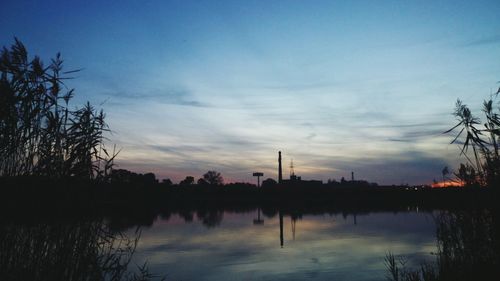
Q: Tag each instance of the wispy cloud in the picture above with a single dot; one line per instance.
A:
(483, 41)
(177, 97)
(413, 135)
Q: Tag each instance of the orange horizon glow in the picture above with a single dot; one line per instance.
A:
(447, 183)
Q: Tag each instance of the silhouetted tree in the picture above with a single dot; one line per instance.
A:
(150, 178)
(466, 175)
(332, 181)
(269, 182)
(189, 180)
(201, 181)
(120, 176)
(444, 172)
(166, 182)
(213, 178)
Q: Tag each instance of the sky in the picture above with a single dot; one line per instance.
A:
(337, 86)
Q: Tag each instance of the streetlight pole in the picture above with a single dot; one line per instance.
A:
(258, 175)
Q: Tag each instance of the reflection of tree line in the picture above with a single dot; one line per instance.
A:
(69, 250)
(468, 239)
(212, 216)
(468, 245)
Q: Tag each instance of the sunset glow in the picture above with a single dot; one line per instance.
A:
(448, 183)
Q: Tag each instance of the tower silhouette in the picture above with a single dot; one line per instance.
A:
(280, 173)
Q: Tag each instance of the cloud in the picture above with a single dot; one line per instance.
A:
(483, 41)
(177, 97)
(305, 86)
(412, 135)
(180, 150)
(311, 136)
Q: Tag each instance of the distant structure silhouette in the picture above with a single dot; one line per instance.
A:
(294, 180)
(280, 172)
(258, 175)
(352, 176)
(258, 221)
(293, 177)
(269, 182)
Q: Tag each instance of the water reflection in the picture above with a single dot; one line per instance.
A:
(286, 246)
(467, 249)
(281, 229)
(468, 244)
(263, 243)
(258, 220)
(67, 250)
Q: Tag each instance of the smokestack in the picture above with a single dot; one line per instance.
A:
(280, 173)
(352, 176)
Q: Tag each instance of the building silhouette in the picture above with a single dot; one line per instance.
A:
(294, 180)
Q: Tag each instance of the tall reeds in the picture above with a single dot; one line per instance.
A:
(69, 250)
(39, 133)
(467, 249)
(479, 143)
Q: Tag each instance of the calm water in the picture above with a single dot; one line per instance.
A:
(239, 246)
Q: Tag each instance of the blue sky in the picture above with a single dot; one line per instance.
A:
(338, 86)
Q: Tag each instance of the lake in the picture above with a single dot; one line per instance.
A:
(252, 246)
(221, 243)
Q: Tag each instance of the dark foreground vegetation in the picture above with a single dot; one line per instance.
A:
(40, 133)
(479, 144)
(468, 248)
(70, 249)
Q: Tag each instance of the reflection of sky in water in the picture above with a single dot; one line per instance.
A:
(325, 247)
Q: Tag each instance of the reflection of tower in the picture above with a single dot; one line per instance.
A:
(281, 228)
(293, 226)
(280, 173)
(258, 221)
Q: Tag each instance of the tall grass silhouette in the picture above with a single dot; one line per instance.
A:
(468, 248)
(482, 167)
(68, 250)
(39, 134)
